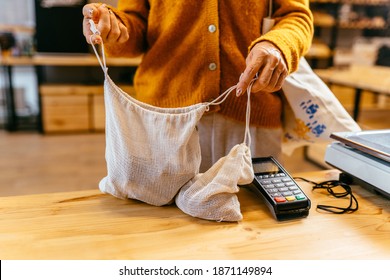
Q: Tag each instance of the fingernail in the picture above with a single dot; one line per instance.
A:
(238, 92)
(95, 41)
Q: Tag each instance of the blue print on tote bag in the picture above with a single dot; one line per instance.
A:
(311, 111)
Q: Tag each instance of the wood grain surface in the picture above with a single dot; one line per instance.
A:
(92, 225)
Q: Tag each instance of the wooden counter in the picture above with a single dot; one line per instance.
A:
(371, 78)
(92, 225)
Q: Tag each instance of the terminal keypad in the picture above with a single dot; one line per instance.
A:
(281, 187)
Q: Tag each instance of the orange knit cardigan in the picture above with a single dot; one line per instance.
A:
(196, 49)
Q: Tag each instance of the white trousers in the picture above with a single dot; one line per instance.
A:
(219, 134)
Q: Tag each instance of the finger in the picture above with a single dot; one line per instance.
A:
(280, 81)
(247, 76)
(86, 31)
(273, 78)
(104, 24)
(90, 11)
(267, 75)
(272, 82)
(124, 34)
(282, 77)
(90, 33)
(277, 79)
(257, 86)
(115, 31)
(94, 39)
(256, 60)
(280, 73)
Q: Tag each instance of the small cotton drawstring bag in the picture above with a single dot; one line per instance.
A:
(212, 195)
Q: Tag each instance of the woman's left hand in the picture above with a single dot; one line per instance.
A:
(266, 61)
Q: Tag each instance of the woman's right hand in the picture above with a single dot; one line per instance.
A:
(111, 29)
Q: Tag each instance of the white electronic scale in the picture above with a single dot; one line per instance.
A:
(364, 156)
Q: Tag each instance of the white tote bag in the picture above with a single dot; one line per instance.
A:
(311, 111)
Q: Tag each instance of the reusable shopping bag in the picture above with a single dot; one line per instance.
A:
(152, 153)
(211, 195)
(311, 111)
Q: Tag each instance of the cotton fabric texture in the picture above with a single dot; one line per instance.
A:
(212, 195)
(151, 152)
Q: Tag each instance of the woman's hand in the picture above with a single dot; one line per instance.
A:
(265, 61)
(111, 29)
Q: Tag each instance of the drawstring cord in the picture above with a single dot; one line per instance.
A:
(220, 99)
(102, 61)
(247, 137)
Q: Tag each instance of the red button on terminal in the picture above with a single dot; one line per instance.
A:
(280, 199)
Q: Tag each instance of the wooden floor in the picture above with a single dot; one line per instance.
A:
(34, 163)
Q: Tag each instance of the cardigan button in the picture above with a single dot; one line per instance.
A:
(212, 66)
(212, 28)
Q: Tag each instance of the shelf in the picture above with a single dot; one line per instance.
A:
(324, 1)
(353, 2)
(323, 19)
(69, 108)
(17, 28)
(339, 23)
(363, 25)
(366, 2)
(319, 50)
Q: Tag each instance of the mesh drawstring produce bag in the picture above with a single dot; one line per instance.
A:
(152, 153)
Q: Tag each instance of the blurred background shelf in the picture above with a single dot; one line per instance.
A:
(338, 24)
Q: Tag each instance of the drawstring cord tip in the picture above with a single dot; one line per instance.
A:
(93, 27)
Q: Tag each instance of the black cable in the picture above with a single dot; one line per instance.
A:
(330, 186)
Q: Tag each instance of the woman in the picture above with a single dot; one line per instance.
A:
(194, 50)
